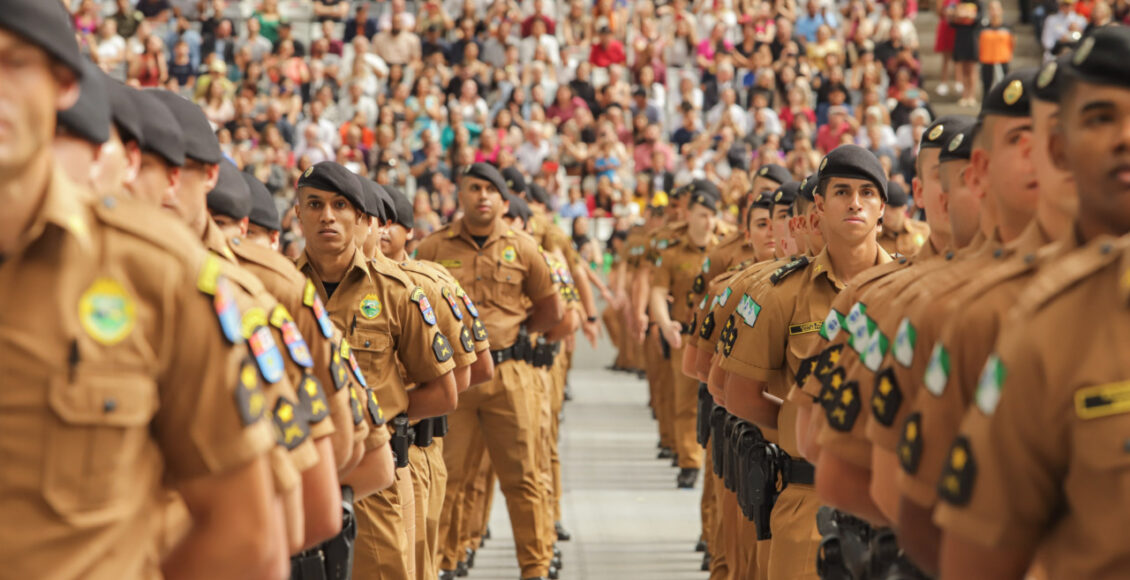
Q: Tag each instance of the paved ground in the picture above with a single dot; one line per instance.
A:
(628, 520)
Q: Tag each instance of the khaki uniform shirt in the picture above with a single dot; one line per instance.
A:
(118, 381)
(441, 292)
(720, 316)
(1041, 460)
(386, 319)
(497, 275)
(967, 335)
(908, 240)
(678, 269)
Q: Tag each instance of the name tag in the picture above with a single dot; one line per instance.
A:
(805, 328)
(451, 263)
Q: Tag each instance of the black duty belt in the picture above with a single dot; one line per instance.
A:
(799, 471)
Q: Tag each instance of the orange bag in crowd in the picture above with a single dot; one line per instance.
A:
(996, 45)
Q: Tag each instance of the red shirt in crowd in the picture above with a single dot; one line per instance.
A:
(605, 56)
(829, 137)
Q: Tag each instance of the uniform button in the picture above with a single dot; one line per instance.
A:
(902, 260)
(997, 253)
(367, 343)
(109, 202)
(478, 277)
(1105, 249)
(1029, 259)
(109, 405)
(949, 255)
(235, 241)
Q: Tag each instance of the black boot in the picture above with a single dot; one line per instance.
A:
(563, 535)
(706, 562)
(470, 558)
(686, 478)
(556, 561)
(461, 570)
(447, 575)
(701, 545)
(665, 453)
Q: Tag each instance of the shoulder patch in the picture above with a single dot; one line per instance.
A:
(706, 330)
(355, 405)
(887, 398)
(338, 370)
(1103, 400)
(989, 386)
(441, 347)
(347, 357)
(292, 337)
(959, 474)
(449, 296)
(699, 284)
(467, 302)
(806, 369)
(845, 407)
(910, 443)
(249, 398)
(311, 299)
(830, 386)
(376, 414)
(421, 299)
(728, 336)
(748, 309)
(262, 345)
(467, 340)
(788, 269)
(938, 370)
(478, 330)
(290, 428)
(312, 399)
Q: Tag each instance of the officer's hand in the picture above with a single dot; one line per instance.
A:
(641, 327)
(672, 332)
(591, 330)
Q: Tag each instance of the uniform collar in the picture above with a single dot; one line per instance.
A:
(822, 265)
(215, 241)
(357, 262)
(65, 208)
(711, 241)
(1032, 238)
(500, 230)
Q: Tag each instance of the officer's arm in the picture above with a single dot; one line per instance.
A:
(568, 325)
(884, 483)
(966, 560)
(639, 298)
(462, 378)
(230, 513)
(375, 472)
(433, 398)
(321, 496)
(748, 398)
(845, 486)
(482, 370)
(583, 278)
(659, 311)
(547, 312)
(918, 535)
(716, 382)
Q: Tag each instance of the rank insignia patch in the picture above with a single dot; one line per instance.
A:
(829, 360)
(290, 428)
(347, 356)
(370, 306)
(106, 311)
(376, 415)
(249, 399)
(421, 299)
(707, 328)
(959, 474)
(805, 370)
(312, 398)
(441, 347)
(355, 405)
(262, 345)
(292, 337)
(910, 443)
(478, 330)
(452, 303)
(845, 407)
(310, 298)
(887, 398)
(467, 340)
(699, 284)
(728, 336)
(830, 386)
(337, 369)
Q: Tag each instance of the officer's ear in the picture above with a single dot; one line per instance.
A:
(976, 174)
(274, 237)
(243, 225)
(133, 161)
(211, 175)
(1057, 143)
(68, 87)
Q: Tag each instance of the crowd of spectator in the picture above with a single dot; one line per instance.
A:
(603, 102)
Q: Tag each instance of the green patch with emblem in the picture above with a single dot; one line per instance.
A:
(876, 349)
(1103, 400)
(748, 309)
(107, 312)
(887, 398)
(905, 339)
(724, 297)
(959, 474)
(910, 444)
(370, 306)
(989, 385)
(509, 254)
(441, 348)
(833, 323)
(938, 370)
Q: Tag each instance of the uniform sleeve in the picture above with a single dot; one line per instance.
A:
(661, 273)
(539, 278)
(449, 315)
(212, 413)
(425, 352)
(1001, 483)
(328, 405)
(756, 347)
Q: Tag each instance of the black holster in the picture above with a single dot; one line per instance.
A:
(439, 426)
(705, 408)
(762, 467)
(402, 438)
(844, 549)
(333, 559)
(544, 353)
(423, 433)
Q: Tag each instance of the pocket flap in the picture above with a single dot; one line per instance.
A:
(111, 398)
(370, 340)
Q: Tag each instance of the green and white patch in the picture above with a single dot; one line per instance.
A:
(748, 309)
(724, 296)
(702, 304)
(938, 371)
(905, 340)
(876, 349)
(706, 265)
(832, 325)
(856, 325)
(989, 387)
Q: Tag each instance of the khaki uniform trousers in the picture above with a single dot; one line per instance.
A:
(457, 525)
(429, 480)
(659, 383)
(386, 532)
(684, 412)
(792, 553)
(500, 410)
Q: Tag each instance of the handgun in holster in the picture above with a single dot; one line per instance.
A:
(705, 407)
(739, 466)
(523, 349)
(765, 465)
(844, 549)
(723, 453)
(544, 353)
(886, 561)
(423, 433)
(401, 439)
(439, 426)
(338, 550)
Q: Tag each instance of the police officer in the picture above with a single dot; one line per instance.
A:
(119, 368)
(82, 129)
(902, 234)
(497, 268)
(386, 318)
(263, 223)
(1037, 463)
(784, 319)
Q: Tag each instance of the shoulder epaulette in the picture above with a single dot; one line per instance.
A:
(419, 267)
(391, 272)
(145, 222)
(266, 258)
(784, 271)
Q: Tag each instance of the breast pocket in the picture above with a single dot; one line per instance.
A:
(373, 349)
(508, 282)
(99, 454)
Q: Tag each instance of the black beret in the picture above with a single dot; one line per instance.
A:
(331, 177)
(808, 185)
(705, 187)
(775, 173)
(1102, 57)
(738, 157)
(514, 180)
(763, 201)
(374, 204)
(123, 110)
(1011, 97)
(264, 212)
(960, 146)
(537, 194)
(405, 213)
(231, 196)
(939, 133)
(89, 118)
(200, 141)
(487, 172)
(896, 195)
(158, 135)
(518, 208)
(1049, 79)
(787, 193)
(46, 25)
(855, 162)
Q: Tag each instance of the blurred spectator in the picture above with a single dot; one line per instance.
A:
(1060, 25)
(607, 51)
(996, 45)
(126, 18)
